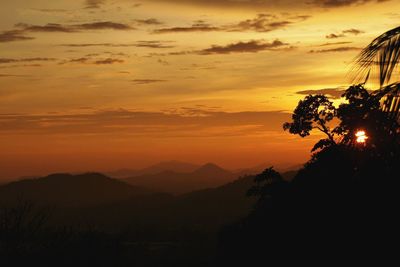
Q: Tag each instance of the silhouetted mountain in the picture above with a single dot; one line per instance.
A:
(206, 209)
(208, 175)
(175, 166)
(212, 169)
(69, 190)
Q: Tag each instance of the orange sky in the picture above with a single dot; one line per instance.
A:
(107, 84)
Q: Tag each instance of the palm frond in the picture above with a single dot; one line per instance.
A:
(384, 53)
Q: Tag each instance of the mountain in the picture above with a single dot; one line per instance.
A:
(208, 175)
(175, 166)
(205, 209)
(95, 199)
(69, 190)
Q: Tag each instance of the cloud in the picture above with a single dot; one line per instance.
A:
(54, 27)
(98, 45)
(89, 60)
(196, 27)
(334, 93)
(14, 60)
(265, 23)
(50, 10)
(342, 3)
(6, 66)
(184, 122)
(353, 31)
(153, 44)
(253, 46)
(92, 4)
(261, 23)
(148, 44)
(258, 4)
(103, 25)
(335, 43)
(334, 36)
(77, 60)
(344, 33)
(11, 75)
(14, 35)
(50, 27)
(147, 81)
(338, 49)
(150, 21)
(108, 61)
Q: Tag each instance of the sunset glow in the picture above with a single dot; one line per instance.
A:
(103, 85)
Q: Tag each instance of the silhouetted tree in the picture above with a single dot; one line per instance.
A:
(362, 110)
(314, 112)
(342, 205)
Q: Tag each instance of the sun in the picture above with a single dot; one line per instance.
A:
(361, 137)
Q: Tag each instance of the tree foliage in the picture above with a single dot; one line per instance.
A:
(361, 111)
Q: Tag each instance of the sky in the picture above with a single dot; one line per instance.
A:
(98, 85)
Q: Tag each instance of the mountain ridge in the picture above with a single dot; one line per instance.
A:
(205, 176)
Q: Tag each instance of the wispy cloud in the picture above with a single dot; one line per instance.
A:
(253, 46)
(337, 49)
(50, 27)
(266, 23)
(344, 33)
(154, 44)
(92, 4)
(261, 23)
(151, 21)
(24, 28)
(2, 75)
(334, 93)
(258, 4)
(186, 121)
(148, 44)
(342, 3)
(334, 43)
(14, 35)
(147, 81)
(199, 26)
(15, 60)
(108, 61)
(89, 60)
(103, 25)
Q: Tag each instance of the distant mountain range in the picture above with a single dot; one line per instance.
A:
(206, 176)
(175, 166)
(96, 199)
(185, 167)
(173, 177)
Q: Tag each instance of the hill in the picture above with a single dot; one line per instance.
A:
(69, 190)
(208, 175)
(173, 165)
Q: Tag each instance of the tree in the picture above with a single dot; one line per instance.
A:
(342, 204)
(269, 183)
(362, 111)
(314, 112)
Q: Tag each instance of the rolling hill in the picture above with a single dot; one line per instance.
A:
(69, 190)
(206, 176)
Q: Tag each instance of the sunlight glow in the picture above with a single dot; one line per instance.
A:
(361, 137)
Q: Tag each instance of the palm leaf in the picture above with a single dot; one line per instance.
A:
(383, 53)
